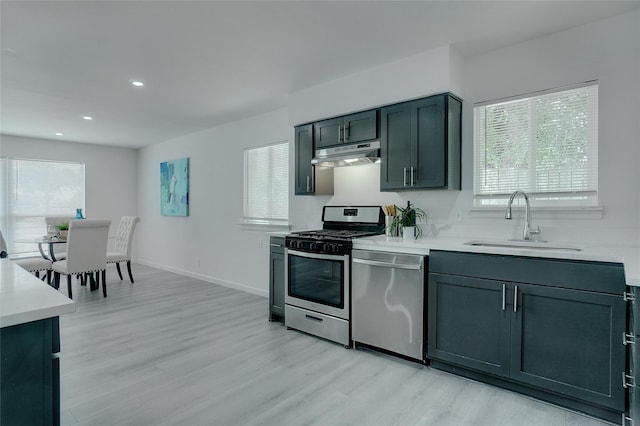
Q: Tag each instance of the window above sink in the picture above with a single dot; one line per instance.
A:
(544, 143)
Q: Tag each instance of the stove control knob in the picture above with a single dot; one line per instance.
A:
(293, 244)
(326, 247)
(312, 246)
(335, 248)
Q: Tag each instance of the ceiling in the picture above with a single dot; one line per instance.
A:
(205, 63)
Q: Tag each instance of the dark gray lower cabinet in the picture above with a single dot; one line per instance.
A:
(276, 279)
(30, 373)
(569, 342)
(633, 353)
(467, 326)
(551, 326)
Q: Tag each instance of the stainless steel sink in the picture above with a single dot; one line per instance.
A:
(521, 244)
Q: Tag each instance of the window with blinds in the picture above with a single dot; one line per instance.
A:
(545, 144)
(30, 191)
(266, 184)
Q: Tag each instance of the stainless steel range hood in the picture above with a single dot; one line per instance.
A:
(348, 155)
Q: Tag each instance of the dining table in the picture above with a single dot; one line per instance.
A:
(42, 242)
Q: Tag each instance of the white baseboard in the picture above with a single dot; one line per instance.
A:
(207, 278)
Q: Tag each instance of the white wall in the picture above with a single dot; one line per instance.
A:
(435, 71)
(210, 244)
(110, 173)
(413, 77)
(606, 50)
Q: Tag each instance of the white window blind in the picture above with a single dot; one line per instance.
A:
(266, 184)
(545, 144)
(32, 190)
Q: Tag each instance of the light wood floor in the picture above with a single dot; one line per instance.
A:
(174, 350)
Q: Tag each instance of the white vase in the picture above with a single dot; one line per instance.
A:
(408, 232)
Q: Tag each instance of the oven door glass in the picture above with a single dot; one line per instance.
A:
(317, 278)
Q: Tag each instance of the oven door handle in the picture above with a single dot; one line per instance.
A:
(316, 255)
(414, 267)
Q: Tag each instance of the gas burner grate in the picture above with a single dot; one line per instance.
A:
(334, 233)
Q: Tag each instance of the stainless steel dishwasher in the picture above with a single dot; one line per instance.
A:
(387, 301)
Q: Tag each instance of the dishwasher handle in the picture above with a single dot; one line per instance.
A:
(412, 267)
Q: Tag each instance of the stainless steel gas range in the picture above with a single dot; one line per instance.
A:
(317, 271)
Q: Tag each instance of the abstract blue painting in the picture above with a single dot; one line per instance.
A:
(174, 187)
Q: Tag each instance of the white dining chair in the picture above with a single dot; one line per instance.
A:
(124, 240)
(86, 252)
(33, 265)
(59, 250)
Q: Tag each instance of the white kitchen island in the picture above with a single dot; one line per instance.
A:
(29, 347)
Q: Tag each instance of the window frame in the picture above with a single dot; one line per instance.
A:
(550, 200)
(8, 216)
(266, 221)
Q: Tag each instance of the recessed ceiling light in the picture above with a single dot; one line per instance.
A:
(137, 83)
(59, 134)
(87, 117)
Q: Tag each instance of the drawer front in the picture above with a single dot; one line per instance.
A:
(579, 275)
(327, 327)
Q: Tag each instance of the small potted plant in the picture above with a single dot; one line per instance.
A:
(64, 229)
(406, 220)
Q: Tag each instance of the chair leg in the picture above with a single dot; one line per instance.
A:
(129, 269)
(49, 276)
(56, 280)
(104, 282)
(37, 274)
(119, 271)
(69, 286)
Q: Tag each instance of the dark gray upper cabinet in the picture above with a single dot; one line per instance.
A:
(545, 324)
(304, 171)
(358, 127)
(421, 143)
(309, 179)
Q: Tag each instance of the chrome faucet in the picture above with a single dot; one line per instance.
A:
(527, 232)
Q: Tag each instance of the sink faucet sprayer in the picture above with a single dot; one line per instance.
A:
(527, 232)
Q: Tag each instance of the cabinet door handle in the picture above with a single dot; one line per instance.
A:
(340, 131)
(504, 297)
(412, 183)
(308, 183)
(312, 318)
(346, 132)
(628, 381)
(515, 299)
(404, 176)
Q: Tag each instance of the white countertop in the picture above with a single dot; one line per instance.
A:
(24, 298)
(627, 255)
